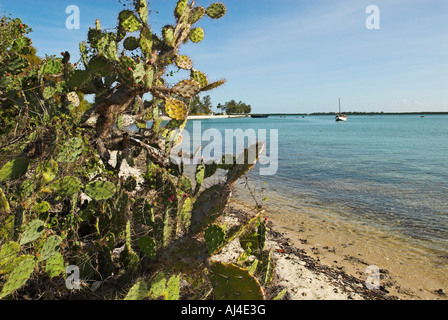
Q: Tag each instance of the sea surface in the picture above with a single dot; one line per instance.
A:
(388, 172)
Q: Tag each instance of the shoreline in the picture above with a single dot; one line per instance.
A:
(332, 252)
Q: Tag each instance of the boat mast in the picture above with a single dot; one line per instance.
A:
(339, 105)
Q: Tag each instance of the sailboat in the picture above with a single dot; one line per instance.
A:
(340, 116)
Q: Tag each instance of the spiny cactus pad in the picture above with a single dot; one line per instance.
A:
(231, 282)
(197, 35)
(138, 292)
(4, 204)
(196, 14)
(33, 230)
(54, 266)
(187, 88)
(146, 42)
(66, 187)
(129, 21)
(148, 247)
(8, 252)
(50, 247)
(214, 238)
(199, 77)
(184, 62)
(216, 10)
(213, 85)
(19, 276)
(160, 287)
(180, 8)
(131, 43)
(14, 169)
(176, 109)
(100, 190)
(168, 34)
(73, 98)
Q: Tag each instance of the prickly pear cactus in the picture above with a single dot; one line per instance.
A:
(129, 21)
(4, 204)
(176, 109)
(187, 88)
(100, 190)
(199, 77)
(50, 247)
(33, 230)
(47, 171)
(161, 287)
(216, 10)
(180, 8)
(197, 35)
(138, 292)
(66, 187)
(14, 169)
(231, 282)
(214, 238)
(148, 247)
(19, 276)
(184, 62)
(8, 252)
(54, 266)
(196, 14)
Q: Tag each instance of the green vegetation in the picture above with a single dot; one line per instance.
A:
(64, 200)
(233, 107)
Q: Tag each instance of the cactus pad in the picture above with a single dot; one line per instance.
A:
(4, 204)
(141, 7)
(73, 98)
(8, 252)
(100, 190)
(168, 34)
(213, 85)
(160, 287)
(78, 79)
(184, 62)
(216, 10)
(196, 35)
(54, 266)
(214, 238)
(196, 14)
(66, 186)
(199, 77)
(146, 42)
(138, 292)
(131, 43)
(231, 282)
(49, 248)
(19, 276)
(176, 109)
(180, 8)
(187, 88)
(14, 169)
(129, 21)
(33, 230)
(148, 247)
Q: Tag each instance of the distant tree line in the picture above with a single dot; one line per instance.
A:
(233, 107)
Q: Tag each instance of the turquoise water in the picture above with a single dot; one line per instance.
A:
(387, 171)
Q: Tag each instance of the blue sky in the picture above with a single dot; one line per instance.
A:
(291, 56)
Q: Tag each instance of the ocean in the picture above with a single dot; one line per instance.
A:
(386, 172)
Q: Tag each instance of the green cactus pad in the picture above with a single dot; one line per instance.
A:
(197, 35)
(148, 247)
(146, 42)
(8, 252)
(52, 66)
(66, 187)
(180, 8)
(199, 77)
(196, 14)
(213, 85)
(19, 276)
(216, 11)
(138, 292)
(100, 190)
(14, 169)
(168, 34)
(185, 214)
(107, 46)
(176, 109)
(71, 150)
(78, 79)
(47, 171)
(187, 88)
(55, 266)
(199, 177)
(214, 238)
(184, 62)
(42, 207)
(231, 282)
(33, 230)
(129, 21)
(100, 66)
(48, 92)
(50, 247)
(141, 6)
(4, 204)
(160, 287)
(131, 43)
